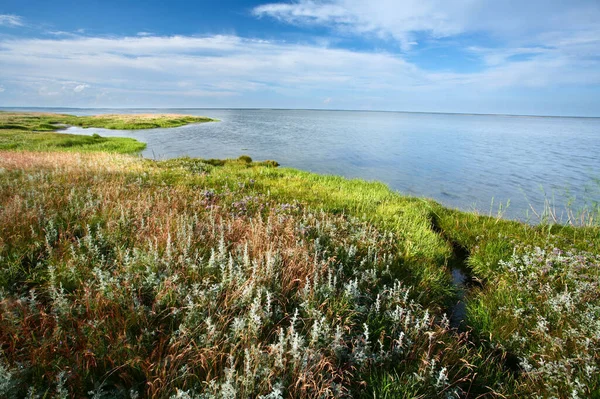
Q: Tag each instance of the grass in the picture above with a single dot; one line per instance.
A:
(190, 278)
(17, 140)
(37, 121)
(36, 131)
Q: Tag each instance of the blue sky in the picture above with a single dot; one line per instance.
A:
(519, 57)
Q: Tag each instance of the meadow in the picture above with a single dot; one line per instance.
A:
(188, 278)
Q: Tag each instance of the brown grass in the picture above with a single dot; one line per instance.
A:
(30, 160)
(134, 117)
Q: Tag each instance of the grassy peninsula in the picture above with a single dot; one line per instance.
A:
(36, 131)
(189, 278)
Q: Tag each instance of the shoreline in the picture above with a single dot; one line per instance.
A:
(547, 213)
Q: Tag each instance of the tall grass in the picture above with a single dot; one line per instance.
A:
(585, 214)
(114, 282)
(545, 309)
(125, 277)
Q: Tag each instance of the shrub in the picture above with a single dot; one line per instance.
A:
(270, 163)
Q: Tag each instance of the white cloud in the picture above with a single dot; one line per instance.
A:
(327, 100)
(221, 61)
(60, 33)
(2, 89)
(306, 12)
(403, 20)
(80, 88)
(383, 18)
(229, 70)
(10, 20)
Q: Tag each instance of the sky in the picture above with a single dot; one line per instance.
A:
(534, 57)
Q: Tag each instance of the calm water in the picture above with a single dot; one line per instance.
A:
(463, 161)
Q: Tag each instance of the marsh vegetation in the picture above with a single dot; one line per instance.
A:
(189, 278)
(36, 131)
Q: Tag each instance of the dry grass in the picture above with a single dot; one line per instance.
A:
(144, 117)
(70, 162)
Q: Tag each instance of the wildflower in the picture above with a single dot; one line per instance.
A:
(6, 380)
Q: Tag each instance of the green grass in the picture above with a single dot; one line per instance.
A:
(424, 252)
(36, 131)
(33, 121)
(133, 122)
(37, 141)
(199, 278)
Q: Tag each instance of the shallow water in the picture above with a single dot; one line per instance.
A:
(463, 161)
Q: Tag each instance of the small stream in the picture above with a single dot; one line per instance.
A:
(459, 310)
(462, 278)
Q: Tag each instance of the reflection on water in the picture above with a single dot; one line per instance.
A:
(460, 160)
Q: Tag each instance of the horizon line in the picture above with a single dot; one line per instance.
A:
(311, 109)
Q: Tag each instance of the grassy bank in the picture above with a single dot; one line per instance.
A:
(203, 278)
(36, 131)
